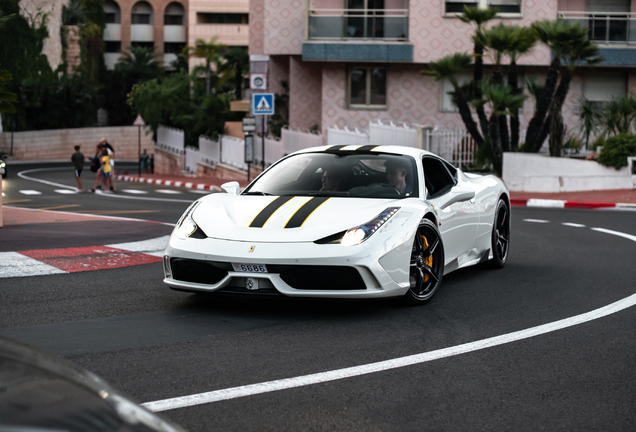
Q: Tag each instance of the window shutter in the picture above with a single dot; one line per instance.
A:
(608, 5)
(603, 86)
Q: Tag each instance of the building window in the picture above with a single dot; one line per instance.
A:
(112, 13)
(367, 87)
(448, 101)
(148, 45)
(141, 14)
(174, 14)
(112, 46)
(504, 6)
(222, 18)
(173, 47)
(600, 87)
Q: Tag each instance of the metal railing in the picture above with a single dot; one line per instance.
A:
(358, 24)
(609, 28)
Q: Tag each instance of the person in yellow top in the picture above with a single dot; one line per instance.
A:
(106, 169)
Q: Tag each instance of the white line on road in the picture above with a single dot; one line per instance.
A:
(305, 380)
(616, 233)
(536, 220)
(575, 225)
(30, 192)
(168, 191)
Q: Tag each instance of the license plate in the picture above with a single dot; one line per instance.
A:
(249, 268)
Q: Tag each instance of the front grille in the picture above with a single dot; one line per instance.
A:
(336, 278)
(204, 272)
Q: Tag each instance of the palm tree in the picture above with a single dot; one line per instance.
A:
(522, 40)
(497, 39)
(568, 42)
(448, 68)
(479, 17)
(237, 61)
(208, 51)
(141, 62)
(495, 96)
(588, 118)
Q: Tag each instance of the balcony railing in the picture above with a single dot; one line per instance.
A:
(358, 24)
(608, 28)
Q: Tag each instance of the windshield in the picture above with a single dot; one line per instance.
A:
(365, 175)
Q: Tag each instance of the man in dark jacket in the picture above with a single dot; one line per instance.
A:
(78, 161)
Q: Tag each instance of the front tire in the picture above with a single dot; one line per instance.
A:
(500, 238)
(427, 264)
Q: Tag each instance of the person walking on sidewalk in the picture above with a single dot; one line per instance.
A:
(96, 167)
(78, 161)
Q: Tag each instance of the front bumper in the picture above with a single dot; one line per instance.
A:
(382, 264)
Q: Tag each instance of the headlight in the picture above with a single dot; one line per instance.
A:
(186, 225)
(359, 234)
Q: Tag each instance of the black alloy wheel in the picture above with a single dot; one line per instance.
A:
(427, 264)
(500, 242)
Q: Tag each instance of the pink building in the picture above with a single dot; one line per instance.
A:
(169, 25)
(351, 62)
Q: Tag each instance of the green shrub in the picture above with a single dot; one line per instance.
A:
(616, 151)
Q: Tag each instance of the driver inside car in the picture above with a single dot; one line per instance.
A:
(396, 173)
(330, 180)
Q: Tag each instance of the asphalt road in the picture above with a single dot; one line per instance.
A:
(153, 343)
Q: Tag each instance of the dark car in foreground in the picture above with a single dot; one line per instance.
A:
(41, 392)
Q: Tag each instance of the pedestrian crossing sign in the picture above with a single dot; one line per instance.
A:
(262, 103)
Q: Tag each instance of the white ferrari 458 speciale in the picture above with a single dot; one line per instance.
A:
(342, 222)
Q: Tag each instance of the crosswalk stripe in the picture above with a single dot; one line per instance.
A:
(65, 191)
(168, 191)
(30, 192)
(135, 191)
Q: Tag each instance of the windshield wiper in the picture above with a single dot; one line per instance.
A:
(257, 193)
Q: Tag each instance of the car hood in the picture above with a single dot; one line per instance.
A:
(283, 219)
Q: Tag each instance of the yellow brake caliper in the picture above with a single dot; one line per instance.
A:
(429, 260)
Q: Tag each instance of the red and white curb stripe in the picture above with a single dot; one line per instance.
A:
(536, 202)
(70, 260)
(189, 185)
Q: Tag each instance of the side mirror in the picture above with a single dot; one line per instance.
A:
(231, 188)
(457, 194)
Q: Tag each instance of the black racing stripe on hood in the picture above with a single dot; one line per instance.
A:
(335, 148)
(261, 219)
(366, 148)
(305, 211)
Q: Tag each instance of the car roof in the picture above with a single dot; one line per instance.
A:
(401, 150)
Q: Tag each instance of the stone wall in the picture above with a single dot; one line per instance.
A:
(527, 172)
(168, 163)
(58, 144)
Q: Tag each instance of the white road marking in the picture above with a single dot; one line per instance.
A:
(305, 380)
(135, 191)
(575, 225)
(14, 264)
(168, 191)
(534, 202)
(30, 192)
(616, 233)
(202, 192)
(66, 191)
(153, 247)
(536, 220)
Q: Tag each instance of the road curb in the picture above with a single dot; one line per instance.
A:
(189, 185)
(550, 203)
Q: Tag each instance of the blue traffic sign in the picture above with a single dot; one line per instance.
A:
(263, 103)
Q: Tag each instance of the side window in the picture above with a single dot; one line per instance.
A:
(438, 179)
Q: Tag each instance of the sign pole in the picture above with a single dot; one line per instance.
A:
(139, 149)
(263, 142)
